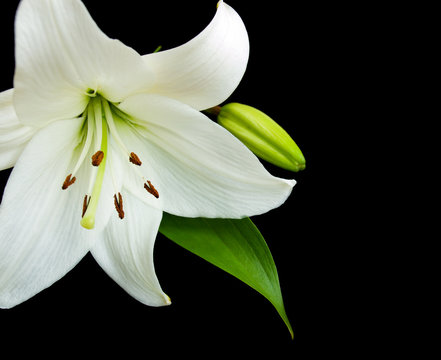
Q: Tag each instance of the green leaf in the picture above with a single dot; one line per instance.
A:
(235, 246)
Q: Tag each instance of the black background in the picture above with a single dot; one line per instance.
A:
(290, 76)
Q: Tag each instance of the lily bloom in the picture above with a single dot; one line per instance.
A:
(104, 140)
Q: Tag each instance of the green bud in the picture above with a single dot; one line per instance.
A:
(262, 135)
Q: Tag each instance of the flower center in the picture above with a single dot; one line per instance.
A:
(99, 117)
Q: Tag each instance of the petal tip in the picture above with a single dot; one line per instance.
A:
(161, 300)
(167, 300)
(7, 301)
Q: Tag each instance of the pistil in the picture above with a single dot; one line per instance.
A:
(88, 220)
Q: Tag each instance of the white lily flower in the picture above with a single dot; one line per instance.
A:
(103, 140)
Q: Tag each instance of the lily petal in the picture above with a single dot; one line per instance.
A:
(61, 54)
(126, 253)
(13, 135)
(40, 235)
(202, 169)
(206, 70)
(129, 176)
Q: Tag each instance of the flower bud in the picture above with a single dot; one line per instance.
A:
(262, 135)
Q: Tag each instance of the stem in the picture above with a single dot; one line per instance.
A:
(214, 111)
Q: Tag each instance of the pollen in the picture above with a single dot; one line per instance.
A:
(151, 189)
(85, 204)
(97, 158)
(68, 181)
(119, 205)
(134, 159)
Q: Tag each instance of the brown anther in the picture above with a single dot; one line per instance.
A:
(97, 158)
(68, 181)
(119, 205)
(151, 189)
(85, 204)
(134, 159)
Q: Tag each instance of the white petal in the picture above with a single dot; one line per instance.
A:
(205, 71)
(13, 135)
(202, 170)
(126, 254)
(126, 174)
(60, 54)
(8, 118)
(40, 234)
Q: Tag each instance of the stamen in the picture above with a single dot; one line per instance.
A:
(97, 158)
(112, 175)
(68, 181)
(134, 159)
(119, 205)
(89, 136)
(85, 204)
(151, 189)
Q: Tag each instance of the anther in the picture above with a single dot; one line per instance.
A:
(134, 159)
(68, 181)
(97, 158)
(119, 205)
(151, 189)
(85, 204)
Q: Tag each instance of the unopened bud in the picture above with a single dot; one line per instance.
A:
(262, 135)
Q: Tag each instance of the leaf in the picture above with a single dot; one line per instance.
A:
(235, 246)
